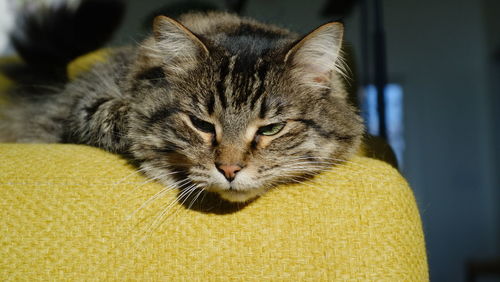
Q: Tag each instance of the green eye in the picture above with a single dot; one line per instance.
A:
(271, 129)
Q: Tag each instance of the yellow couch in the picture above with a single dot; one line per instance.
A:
(73, 212)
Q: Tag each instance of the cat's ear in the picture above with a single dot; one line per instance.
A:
(175, 41)
(313, 59)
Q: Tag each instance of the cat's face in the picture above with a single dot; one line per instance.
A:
(238, 124)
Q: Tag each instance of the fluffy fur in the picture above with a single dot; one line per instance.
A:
(212, 101)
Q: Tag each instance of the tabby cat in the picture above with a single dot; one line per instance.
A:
(211, 101)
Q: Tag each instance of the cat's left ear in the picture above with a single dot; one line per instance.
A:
(176, 42)
(313, 59)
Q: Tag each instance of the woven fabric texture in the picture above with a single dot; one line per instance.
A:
(72, 212)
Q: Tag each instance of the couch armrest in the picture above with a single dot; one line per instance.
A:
(74, 212)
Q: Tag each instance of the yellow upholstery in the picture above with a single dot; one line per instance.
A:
(71, 212)
(84, 63)
(77, 213)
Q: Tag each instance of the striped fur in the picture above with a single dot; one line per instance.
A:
(198, 94)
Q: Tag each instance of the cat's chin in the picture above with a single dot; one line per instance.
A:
(239, 196)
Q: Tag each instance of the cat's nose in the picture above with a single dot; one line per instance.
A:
(229, 170)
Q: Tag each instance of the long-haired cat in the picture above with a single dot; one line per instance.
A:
(211, 101)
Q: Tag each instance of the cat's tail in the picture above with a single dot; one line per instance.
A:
(49, 35)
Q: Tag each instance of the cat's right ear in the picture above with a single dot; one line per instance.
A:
(316, 56)
(176, 42)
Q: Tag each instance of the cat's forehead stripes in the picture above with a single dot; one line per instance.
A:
(260, 77)
(221, 87)
(263, 108)
(210, 103)
(241, 84)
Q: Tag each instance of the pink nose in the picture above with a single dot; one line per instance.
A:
(229, 171)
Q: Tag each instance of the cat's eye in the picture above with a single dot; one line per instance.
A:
(202, 125)
(271, 129)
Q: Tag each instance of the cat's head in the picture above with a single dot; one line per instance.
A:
(240, 111)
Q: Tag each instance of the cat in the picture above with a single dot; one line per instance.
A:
(210, 101)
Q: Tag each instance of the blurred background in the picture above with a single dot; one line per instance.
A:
(438, 65)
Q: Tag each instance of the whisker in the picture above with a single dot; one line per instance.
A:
(160, 217)
(342, 161)
(157, 195)
(195, 198)
(192, 189)
(302, 181)
(336, 160)
(147, 181)
(138, 171)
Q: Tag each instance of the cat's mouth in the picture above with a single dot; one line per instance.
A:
(231, 194)
(243, 188)
(239, 195)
